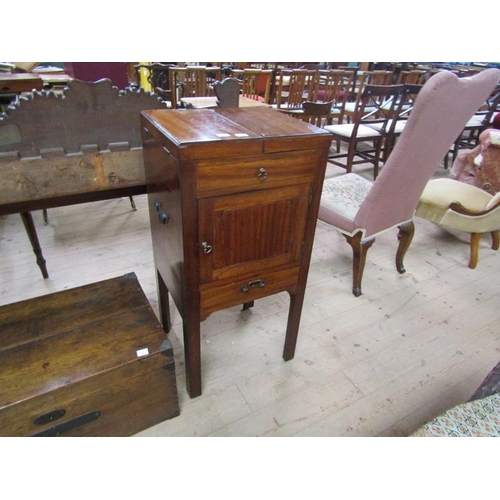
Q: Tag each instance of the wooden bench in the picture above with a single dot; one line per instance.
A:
(80, 145)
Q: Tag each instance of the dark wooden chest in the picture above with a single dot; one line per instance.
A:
(90, 361)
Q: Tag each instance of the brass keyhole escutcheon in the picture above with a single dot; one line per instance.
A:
(262, 174)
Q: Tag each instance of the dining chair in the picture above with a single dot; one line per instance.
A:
(412, 76)
(296, 86)
(360, 209)
(376, 77)
(410, 94)
(157, 76)
(192, 81)
(458, 206)
(334, 85)
(255, 83)
(351, 78)
(372, 122)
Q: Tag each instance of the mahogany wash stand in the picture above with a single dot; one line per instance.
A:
(233, 198)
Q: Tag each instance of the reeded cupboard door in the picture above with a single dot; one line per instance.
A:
(252, 231)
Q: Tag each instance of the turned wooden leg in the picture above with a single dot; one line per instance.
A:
(163, 303)
(360, 248)
(29, 225)
(405, 236)
(494, 240)
(132, 203)
(474, 249)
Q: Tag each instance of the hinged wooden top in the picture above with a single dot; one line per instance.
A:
(206, 133)
(58, 339)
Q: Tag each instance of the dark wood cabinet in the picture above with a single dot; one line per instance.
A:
(233, 197)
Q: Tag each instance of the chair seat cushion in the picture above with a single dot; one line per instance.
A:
(475, 121)
(347, 129)
(400, 125)
(350, 108)
(479, 418)
(341, 198)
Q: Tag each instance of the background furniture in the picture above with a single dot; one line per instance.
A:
(116, 72)
(482, 119)
(192, 81)
(233, 197)
(255, 83)
(81, 146)
(361, 210)
(480, 166)
(377, 77)
(296, 86)
(89, 361)
(157, 76)
(373, 122)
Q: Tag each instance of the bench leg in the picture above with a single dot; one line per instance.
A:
(31, 232)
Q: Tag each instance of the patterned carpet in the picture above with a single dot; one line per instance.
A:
(479, 417)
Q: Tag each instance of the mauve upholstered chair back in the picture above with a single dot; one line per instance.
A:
(442, 108)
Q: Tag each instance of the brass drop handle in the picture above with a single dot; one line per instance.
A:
(262, 174)
(206, 247)
(253, 284)
(163, 217)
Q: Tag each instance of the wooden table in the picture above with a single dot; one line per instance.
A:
(233, 197)
(15, 83)
(211, 102)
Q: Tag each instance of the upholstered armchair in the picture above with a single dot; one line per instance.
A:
(361, 209)
(462, 207)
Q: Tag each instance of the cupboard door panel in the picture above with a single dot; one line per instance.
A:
(248, 232)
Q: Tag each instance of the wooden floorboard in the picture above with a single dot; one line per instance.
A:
(382, 364)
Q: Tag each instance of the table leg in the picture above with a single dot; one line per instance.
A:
(31, 231)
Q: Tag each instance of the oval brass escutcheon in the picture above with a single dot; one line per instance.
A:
(262, 174)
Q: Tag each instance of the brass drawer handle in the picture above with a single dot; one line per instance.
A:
(253, 284)
(262, 174)
(206, 247)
